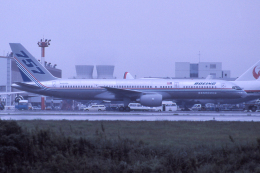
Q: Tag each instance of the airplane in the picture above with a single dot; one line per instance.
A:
(37, 79)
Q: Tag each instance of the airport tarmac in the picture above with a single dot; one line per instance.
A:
(130, 116)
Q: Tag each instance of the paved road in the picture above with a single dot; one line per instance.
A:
(130, 116)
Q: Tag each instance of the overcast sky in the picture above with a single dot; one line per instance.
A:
(143, 37)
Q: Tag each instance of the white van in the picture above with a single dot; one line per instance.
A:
(169, 106)
(95, 108)
(166, 106)
(138, 107)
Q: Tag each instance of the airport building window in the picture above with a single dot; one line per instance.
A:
(212, 66)
(194, 70)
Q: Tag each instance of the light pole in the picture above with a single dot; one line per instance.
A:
(43, 43)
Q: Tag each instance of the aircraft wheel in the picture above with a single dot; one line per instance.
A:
(253, 108)
(121, 109)
(127, 109)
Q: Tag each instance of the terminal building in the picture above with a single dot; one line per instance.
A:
(105, 71)
(86, 71)
(201, 70)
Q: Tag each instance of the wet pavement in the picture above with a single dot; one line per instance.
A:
(131, 116)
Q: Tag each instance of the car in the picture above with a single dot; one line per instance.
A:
(95, 108)
(57, 108)
(48, 108)
(36, 108)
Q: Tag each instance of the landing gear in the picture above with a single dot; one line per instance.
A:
(126, 109)
(121, 109)
(253, 108)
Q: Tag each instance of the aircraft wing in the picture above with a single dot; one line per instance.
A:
(10, 93)
(124, 92)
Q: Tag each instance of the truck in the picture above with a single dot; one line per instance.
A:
(197, 107)
(166, 106)
(138, 107)
(23, 105)
(169, 106)
(216, 107)
(253, 105)
(207, 107)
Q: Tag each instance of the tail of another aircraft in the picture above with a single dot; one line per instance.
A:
(128, 76)
(252, 73)
(30, 68)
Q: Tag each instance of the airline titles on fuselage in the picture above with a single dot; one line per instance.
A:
(205, 83)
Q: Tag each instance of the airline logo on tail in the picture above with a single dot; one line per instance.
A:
(29, 62)
(256, 72)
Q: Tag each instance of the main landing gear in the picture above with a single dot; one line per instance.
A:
(126, 109)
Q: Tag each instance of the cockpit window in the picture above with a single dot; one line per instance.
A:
(236, 88)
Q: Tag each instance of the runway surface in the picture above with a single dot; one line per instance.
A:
(130, 116)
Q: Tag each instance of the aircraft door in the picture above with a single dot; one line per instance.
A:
(176, 84)
(223, 85)
(54, 84)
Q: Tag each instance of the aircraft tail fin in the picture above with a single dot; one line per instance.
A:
(30, 68)
(128, 76)
(253, 73)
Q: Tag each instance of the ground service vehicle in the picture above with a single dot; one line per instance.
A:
(23, 105)
(169, 106)
(252, 106)
(197, 107)
(138, 107)
(166, 106)
(95, 108)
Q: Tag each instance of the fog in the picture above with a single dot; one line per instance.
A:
(145, 37)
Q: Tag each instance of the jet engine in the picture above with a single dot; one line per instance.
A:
(151, 100)
(18, 98)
